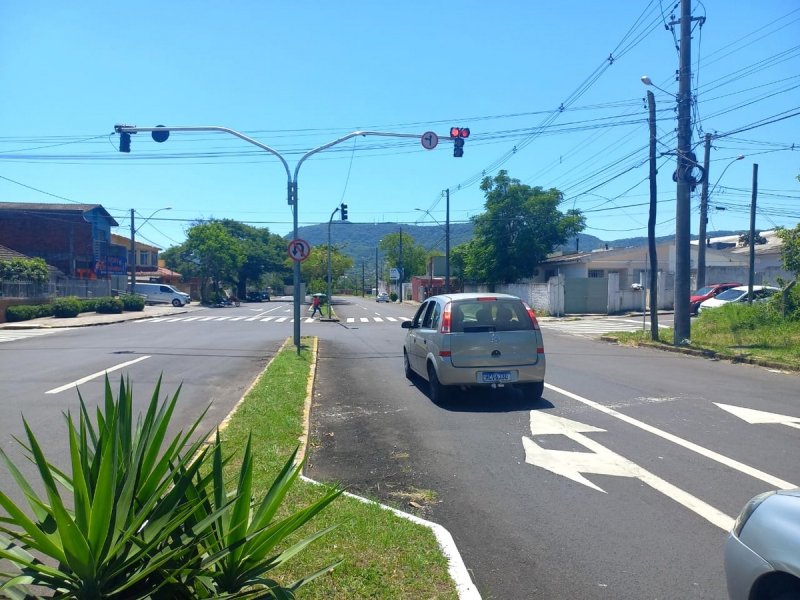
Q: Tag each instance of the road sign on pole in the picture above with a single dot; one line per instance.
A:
(299, 250)
(429, 140)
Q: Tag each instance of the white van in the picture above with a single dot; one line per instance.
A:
(159, 293)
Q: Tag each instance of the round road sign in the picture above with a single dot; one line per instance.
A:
(299, 250)
(160, 136)
(429, 140)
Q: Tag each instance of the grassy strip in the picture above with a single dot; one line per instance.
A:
(738, 333)
(384, 556)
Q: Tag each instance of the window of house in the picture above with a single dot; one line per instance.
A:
(596, 273)
(143, 257)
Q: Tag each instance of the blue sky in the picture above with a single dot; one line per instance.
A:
(296, 75)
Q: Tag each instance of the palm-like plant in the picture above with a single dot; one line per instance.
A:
(138, 518)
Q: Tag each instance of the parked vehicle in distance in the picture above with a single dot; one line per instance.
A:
(762, 553)
(161, 293)
(738, 294)
(458, 341)
(709, 291)
(382, 297)
(257, 297)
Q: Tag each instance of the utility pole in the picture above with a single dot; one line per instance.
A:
(752, 271)
(701, 235)
(651, 221)
(682, 331)
(133, 255)
(447, 243)
(363, 278)
(400, 281)
(376, 270)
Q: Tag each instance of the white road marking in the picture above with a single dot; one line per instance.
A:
(364, 319)
(267, 319)
(378, 319)
(602, 461)
(351, 320)
(392, 319)
(78, 382)
(758, 417)
(720, 458)
(237, 318)
(10, 335)
(281, 319)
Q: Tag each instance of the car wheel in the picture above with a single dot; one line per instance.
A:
(176, 303)
(533, 391)
(407, 366)
(439, 393)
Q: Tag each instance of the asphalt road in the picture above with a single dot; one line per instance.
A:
(619, 484)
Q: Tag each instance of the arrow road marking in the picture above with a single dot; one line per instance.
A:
(602, 461)
(758, 417)
(720, 458)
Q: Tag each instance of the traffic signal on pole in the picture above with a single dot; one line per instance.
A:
(459, 134)
(343, 211)
(124, 142)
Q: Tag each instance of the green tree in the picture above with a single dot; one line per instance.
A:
(24, 269)
(520, 227)
(414, 256)
(314, 269)
(264, 253)
(790, 249)
(215, 254)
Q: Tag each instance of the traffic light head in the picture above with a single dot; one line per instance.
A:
(343, 211)
(124, 142)
(458, 147)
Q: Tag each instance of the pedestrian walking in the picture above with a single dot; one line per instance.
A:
(315, 307)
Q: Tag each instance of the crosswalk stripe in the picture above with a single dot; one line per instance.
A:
(281, 319)
(238, 318)
(378, 319)
(10, 336)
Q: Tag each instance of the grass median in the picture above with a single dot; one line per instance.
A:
(384, 556)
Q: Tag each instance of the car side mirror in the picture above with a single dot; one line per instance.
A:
(407, 325)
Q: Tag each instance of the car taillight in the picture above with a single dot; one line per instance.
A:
(445, 328)
(532, 315)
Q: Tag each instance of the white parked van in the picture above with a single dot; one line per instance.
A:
(160, 293)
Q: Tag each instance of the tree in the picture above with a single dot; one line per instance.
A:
(790, 249)
(314, 269)
(520, 227)
(24, 269)
(414, 256)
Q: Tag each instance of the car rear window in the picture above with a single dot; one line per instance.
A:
(468, 316)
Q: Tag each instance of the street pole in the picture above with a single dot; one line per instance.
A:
(133, 255)
(329, 260)
(752, 270)
(701, 234)
(651, 221)
(363, 278)
(447, 243)
(400, 280)
(682, 331)
(292, 195)
(376, 270)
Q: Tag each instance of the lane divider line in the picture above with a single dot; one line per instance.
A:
(78, 382)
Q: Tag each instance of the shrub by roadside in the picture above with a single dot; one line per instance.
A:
(72, 306)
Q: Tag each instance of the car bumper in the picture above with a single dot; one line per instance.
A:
(470, 376)
(743, 567)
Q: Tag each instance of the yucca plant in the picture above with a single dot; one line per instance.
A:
(139, 516)
(239, 539)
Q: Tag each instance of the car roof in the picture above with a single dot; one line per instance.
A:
(475, 296)
(743, 288)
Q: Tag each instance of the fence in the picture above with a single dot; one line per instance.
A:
(82, 288)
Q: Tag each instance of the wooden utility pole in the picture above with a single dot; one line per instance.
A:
(651, 221)
(701, 234)
(752, 271)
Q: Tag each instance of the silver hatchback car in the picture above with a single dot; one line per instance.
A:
(466, 340)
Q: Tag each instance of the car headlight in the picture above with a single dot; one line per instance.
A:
(747, 511)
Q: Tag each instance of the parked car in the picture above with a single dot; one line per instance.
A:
(161, 293)
(738, 294)
(458, 341)
(382, 297)
(257, 297)
(762, 553)
(709, 291)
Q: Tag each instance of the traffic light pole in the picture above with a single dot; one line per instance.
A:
(292, 197)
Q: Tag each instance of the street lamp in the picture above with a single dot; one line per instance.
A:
(133, 243)
(647, 81)
(701, 237)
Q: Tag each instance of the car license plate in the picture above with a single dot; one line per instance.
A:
(495, 376)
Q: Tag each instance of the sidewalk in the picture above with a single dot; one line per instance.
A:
(92, 318)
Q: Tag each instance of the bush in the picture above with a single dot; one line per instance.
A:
(67, 307)
(791, 307)
(109, 306)
(132, 302)
(88, 304)
(144, 516)
(393, 297)
(26, 312)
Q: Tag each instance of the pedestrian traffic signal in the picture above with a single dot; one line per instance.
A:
(459, 134)
(124, 142)
(343, 211)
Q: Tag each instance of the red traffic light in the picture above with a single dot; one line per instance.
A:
(459, 132)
